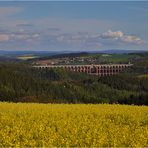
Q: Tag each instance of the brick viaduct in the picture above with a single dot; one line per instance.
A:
(100, 70)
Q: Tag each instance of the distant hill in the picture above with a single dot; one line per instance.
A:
(77, 54)
(15, 55)
(7, 59)
(18, 53)
(119, 51)
(42, 52)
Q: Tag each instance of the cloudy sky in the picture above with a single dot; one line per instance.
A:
(73, 26)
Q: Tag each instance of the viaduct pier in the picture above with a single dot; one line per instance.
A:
(99, 70)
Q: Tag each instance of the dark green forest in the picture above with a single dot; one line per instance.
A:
(19, 82)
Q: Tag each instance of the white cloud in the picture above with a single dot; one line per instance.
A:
(77, 40)
(17, 37)
(111, 34)
(35, 35)
(114, 37)
(60, 38)
(120, 36)
(132, 39)
(4, 37)
(7, 11)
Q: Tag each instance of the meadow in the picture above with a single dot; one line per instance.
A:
(69, 125)
(27, 57)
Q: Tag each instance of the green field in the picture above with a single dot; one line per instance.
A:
(27, 57)
(24, 125)
(115, 58)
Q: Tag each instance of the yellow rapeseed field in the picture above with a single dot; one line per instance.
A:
(67, 125)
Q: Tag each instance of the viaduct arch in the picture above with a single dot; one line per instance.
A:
(99, 70)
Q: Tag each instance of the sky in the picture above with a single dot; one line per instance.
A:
(73, 25)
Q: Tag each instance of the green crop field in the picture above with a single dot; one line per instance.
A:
(115, 58)
(27, 57)
(65, 125)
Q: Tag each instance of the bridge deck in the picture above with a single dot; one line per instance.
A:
(98, 65)
(100, 69)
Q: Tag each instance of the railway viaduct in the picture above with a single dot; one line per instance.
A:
(99, 70)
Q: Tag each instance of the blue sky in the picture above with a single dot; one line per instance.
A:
(73, 26)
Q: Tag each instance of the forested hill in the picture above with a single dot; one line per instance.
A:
(70, 55)
(21, 83)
